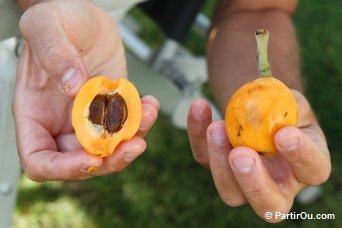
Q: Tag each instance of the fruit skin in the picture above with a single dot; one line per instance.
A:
(91, 138)
(256, 111)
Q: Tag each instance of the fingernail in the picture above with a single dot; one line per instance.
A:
(87, 169)
(197, 111)
(70, 79)
(218, 135)
(290, 144)
(130, 156)
(243, 164)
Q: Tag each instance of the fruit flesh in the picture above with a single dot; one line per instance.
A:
(122, 123)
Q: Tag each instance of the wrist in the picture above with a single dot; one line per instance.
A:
(288, 6)
(25, 4)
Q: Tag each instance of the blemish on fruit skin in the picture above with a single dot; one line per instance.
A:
(254, 89)
(285, 114)
(240, 130)
(254, 116)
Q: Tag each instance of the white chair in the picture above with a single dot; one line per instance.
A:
(9, 160)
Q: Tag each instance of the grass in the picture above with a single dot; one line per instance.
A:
(166, 188)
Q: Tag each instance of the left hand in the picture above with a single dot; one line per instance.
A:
(268, 184)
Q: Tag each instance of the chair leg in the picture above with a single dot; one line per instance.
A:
(9, 160)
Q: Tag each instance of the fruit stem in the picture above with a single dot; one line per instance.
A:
(264, 67)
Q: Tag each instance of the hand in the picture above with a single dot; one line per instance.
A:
(65, 41)
(268, 184)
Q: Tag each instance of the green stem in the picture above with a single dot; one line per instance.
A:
(264, 67)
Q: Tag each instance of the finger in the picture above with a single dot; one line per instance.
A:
(256, 184)
(218, 151)
(50, 165)
(68, 128)
(199, 118)
(150, 108)
(41, 161)
(111, 62)
(148, 99)
(306, 152)
(123, 155)
(56, 53)
(67, 142)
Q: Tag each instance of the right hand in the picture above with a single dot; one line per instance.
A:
(65, 42)
(267, 184)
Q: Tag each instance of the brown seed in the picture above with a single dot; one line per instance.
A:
(97, 109)
(108, 111)
(116, 114)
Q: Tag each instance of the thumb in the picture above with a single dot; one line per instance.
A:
(58, 56)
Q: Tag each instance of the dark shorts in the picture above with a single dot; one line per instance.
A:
(174, 17)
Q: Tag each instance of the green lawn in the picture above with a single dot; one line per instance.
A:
(166, 188)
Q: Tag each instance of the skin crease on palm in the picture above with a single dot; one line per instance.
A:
(57, 43)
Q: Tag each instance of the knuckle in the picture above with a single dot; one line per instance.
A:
(302, 158)
(116, 167)
(84, 177)
(25, 18)
(256, 190)
(321, 178)
(281, 208)
(275, 219)
(53, 50)
(233, 200)
(14, 109)
(149, 115)
(68, 176)
(312, 168)
(195, 133)
(202, 160)
(154, 102)
(324, 178)
(32, 175)
(32, 16)
(63, 173)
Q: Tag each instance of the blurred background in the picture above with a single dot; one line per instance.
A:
(165, 187)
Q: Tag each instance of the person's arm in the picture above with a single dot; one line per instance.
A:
(25, 4)
(267, 184)
(232, 45)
